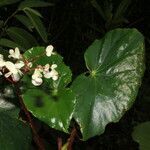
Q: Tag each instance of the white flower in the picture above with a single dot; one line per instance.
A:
(19, 64)
(14, 70)
(50, 74)
(37, 82)
(53, 66)
(54, 74)
(1, 57)
(29, 64)
(49, 50)
(46, 71)
(37, 77)
(2, 62)
(15, 53)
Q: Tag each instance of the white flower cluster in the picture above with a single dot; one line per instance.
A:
(13, 69)
(46, 71)
(16, 70)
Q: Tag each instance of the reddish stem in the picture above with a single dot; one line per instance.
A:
(31, 123)
(71, 139)
(59, 142)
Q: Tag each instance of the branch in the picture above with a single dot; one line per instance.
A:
(36, 136)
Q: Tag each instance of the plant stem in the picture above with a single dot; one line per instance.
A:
(10, 17)
(59, 142)
(71, 139)
(36, 136)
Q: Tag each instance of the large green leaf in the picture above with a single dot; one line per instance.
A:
(116, 65)
(14, 134)
(52, 102)
(7, 2)
(33, 3)
(141, 134)
(37, 23)
(56, 111)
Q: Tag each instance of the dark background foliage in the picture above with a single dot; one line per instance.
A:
(72, 25)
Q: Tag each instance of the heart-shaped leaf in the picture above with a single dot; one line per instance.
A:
(55, 110)
(52, 103)
(116, 65)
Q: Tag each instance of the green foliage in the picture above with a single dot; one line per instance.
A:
(114, 16)
(37, 23)
(30, 18)
(33, 3)
(55, 110)
(25, 21)
(7, 2)
(22, 37)
(14, 134)
(141, 134)
(8, 43)
(56, 101)
(115, 64)
(106, 94)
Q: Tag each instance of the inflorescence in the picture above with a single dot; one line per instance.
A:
(21, 66)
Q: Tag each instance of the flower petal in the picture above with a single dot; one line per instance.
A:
(49, 50)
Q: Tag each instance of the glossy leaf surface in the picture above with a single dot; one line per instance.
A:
(52, 103)
(116, 65)
(56, 111)
(141, 134)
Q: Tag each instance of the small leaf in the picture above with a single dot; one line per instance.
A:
(122, 8)
(34, 3)
(56, 111)
(25, 21)
(98, 8)
(141, 134)
(8, 43)
(14, 134)
(7, 2)
(116, 66)
(37, 23)
(33, 11)
(21, 37)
